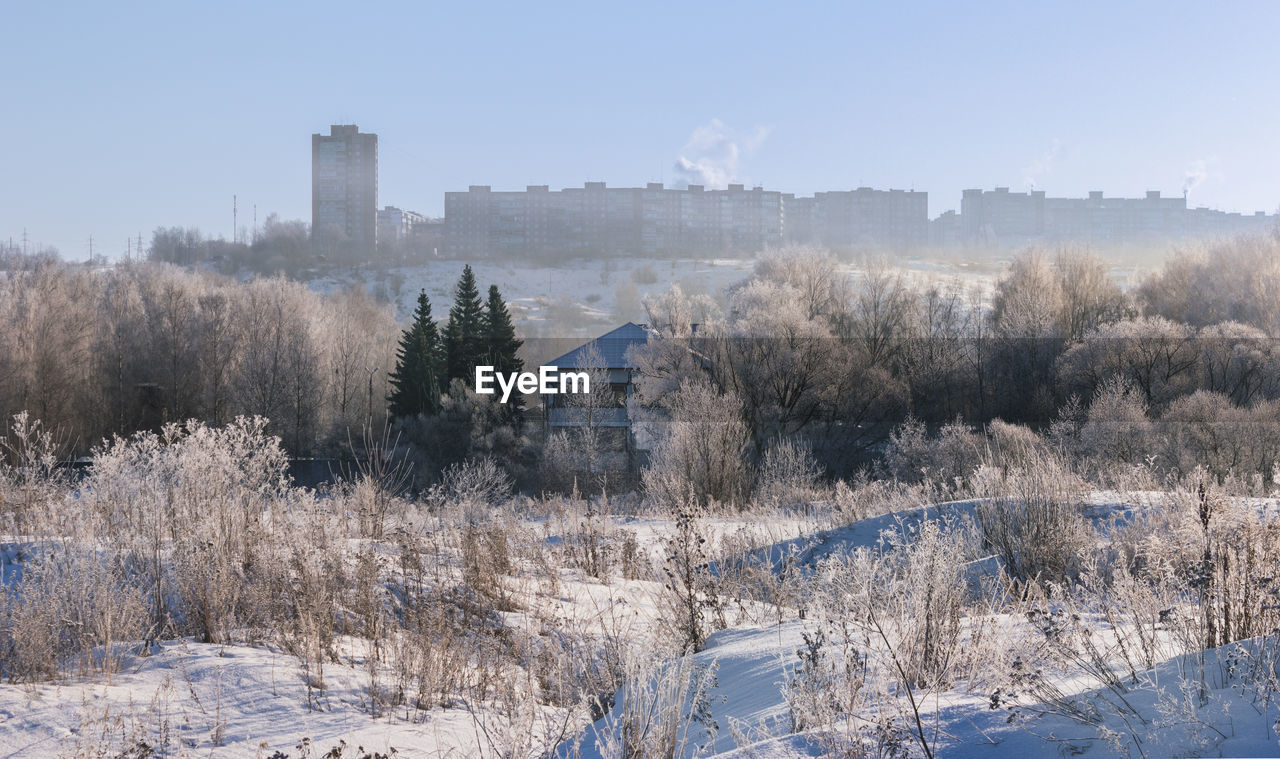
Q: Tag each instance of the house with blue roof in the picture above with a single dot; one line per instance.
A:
(607, 356)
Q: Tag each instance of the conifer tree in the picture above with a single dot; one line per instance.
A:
(500, 335)
(419, 373)
(501, 344)
(464, 334)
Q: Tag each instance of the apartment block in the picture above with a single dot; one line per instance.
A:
(863, 219)
(344, 187)
(597, 220)
(1008, 219)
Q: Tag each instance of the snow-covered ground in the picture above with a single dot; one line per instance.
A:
(748, 707)
(194, 699)
(197, 699)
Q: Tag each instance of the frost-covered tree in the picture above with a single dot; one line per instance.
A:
(700, 456)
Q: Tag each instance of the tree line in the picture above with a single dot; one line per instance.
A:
(99, 353)
(804, 352)
(107, 352)
(801, 352)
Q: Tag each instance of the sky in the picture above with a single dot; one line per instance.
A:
(117, 118)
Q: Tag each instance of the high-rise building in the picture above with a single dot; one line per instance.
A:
(344, 187)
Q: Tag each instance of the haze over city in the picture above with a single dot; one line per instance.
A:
(126, 118)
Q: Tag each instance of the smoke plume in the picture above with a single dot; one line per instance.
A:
(1195, 174)
(713, 151)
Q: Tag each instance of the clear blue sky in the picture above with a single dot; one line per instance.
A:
(118, 117)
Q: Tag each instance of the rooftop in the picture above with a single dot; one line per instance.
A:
(612, 347)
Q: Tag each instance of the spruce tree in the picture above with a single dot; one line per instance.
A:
(419, 371)
(501, 344)
(500, 335)
(464, 334)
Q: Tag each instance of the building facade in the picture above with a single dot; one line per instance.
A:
(1002, 218)
(596, 220)
(396, 225)
(861, 219)
(654, 220)
(344, 186)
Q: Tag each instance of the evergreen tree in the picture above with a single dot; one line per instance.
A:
(419, 370)
(500, 335)
(464, 334)
(502, 345)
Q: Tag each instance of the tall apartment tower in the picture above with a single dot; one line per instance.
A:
(344, 186)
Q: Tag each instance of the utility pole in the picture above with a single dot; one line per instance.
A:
(90, 262)
(234, 219)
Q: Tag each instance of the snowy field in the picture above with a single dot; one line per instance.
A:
(742, 695)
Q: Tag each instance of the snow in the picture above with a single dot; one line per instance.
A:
(194, 699)
(214, 701)
(752, 663)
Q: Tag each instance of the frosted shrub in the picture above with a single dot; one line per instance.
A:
(692, 599)
(662, 712)
(29, 476)
(197, 503)
(383, 473)
(169, 533)
(913, 457)
(1014, 445)
(307, 605)
(892, 614)
(926, 598)
(74, 605)
(788, 476)
(1032, 521)
(475, 487)
(1117, 428)
(558, 463)
(831, 693)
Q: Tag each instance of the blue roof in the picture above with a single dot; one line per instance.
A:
(612, 346)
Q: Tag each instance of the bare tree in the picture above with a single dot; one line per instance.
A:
(701, 452)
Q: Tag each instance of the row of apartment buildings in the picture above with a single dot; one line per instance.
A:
(1003, 218)
(656, 220)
